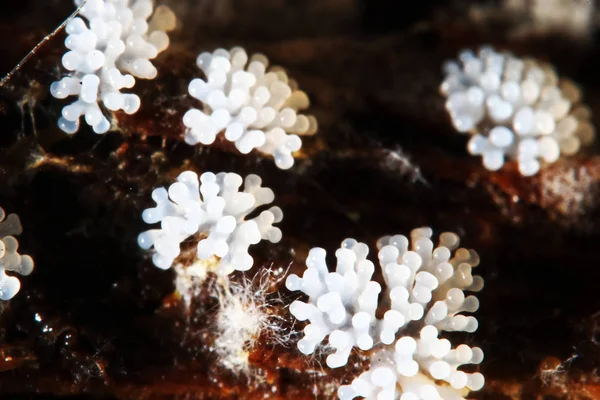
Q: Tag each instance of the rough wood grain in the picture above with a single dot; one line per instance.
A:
(97, 320)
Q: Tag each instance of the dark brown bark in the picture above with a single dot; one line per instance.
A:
(97, 320)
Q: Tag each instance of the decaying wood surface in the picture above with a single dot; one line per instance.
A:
(97, 320)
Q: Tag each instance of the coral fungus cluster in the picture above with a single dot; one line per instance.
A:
(10, 259)
(424, 291)
(514, 108)
(215, 210)
(105, 55)
(256, 107)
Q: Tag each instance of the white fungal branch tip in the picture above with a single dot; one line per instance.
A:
(515, 108)
(256, 107)
(425, 288)
(106, 54)
(10, 259)
(214, 210)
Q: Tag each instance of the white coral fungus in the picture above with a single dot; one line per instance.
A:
(424, 290)
(10, 259)
(256, 108)
(105, 54)
(515, 108)
(215, 211)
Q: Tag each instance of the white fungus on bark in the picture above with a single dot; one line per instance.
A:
(214, 211)
(515, 109)
(256, 107)
(425, 293)
(10, 259)
(106, 54)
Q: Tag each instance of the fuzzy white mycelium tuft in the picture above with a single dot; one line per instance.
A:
(424, 293)
(256, 107)
(515, 108)
(214, 211)
(247, 311)
(10, 259)
(105, 54)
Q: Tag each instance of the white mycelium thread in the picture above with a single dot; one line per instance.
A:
(425, 291)
(105, 54)
(215, 211)
(246, 311)
(514, 108)
(255, 108)
(10, 259)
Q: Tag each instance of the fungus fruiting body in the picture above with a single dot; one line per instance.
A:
(515, 108)
(256, 107)
(424, 293)
(105, 55)
(10, 259)
(215, 211)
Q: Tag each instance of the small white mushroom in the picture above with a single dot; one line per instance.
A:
(106, 54)
(425, 287)
(515, 110)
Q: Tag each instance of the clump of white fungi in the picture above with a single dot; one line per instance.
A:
(105, 54)
(215, 210)
(515, 108)
(10, 259)
(425, 292)
(255, 106)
